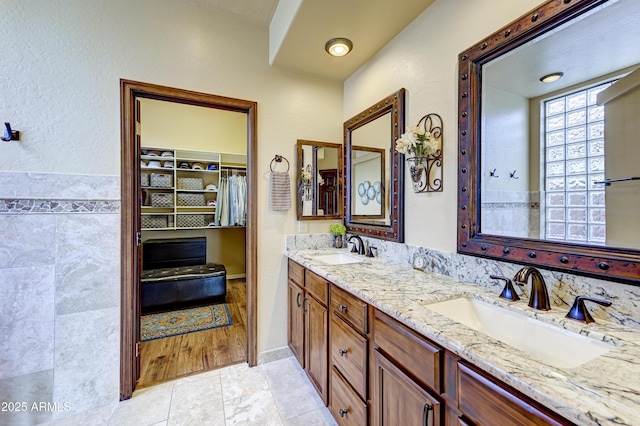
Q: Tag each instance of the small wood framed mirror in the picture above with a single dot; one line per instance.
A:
(319, 180)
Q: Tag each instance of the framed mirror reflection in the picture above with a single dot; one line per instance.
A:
(319, 180)
(548, 167)
(368, 169)
(374, 171)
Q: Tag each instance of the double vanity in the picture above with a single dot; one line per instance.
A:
(384, 343)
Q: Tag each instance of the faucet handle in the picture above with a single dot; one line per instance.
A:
(579, 311)
(370, 251)
(508, 292)
(353, 247)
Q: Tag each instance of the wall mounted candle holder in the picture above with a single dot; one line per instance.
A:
(422, 146)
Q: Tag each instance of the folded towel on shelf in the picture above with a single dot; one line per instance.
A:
(280, 197)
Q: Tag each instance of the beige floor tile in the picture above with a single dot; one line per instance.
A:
(197, 402)
(319, 417)
(239, 380)
(257, 408)
(271, 394)
(147, 406)
(284, 376)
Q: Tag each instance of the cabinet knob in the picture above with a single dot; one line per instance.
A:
(343, 411)
(342, 308)
(343, 352)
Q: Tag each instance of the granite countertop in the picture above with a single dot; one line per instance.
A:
(603, 391)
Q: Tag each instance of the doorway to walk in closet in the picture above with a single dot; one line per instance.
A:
(188, 234)
(193, 181)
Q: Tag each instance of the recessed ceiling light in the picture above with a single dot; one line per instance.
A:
(338, 46)
(550, 78)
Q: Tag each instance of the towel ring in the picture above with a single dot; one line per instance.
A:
(278, 159)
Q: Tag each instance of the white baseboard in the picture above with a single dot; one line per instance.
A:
(274, 355)
(234, 276)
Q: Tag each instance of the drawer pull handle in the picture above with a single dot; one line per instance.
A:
(298, 299)
(343, 352)
(342, 308)
(425, 414)
(343, 411)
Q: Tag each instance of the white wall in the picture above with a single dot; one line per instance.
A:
(505, 136)
(424, 59)
(59, 85)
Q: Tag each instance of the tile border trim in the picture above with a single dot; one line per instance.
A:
(39, 206)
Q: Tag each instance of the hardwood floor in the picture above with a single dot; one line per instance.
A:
(177, 356)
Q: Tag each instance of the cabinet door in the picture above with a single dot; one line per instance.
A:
(398, 400)
(487, 403)
(295, 322)
(316, 329)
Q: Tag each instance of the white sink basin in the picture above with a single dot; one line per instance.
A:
(338, 259)
(552, 345)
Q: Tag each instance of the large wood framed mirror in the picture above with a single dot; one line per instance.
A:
(319, 180)
(548, 172)
(374, 171)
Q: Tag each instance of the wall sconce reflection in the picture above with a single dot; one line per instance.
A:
(307, 183)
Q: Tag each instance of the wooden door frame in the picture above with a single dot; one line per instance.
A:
(130, 214)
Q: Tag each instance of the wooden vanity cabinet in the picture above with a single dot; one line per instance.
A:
(407, 375)
(371, 369)
(486, 402)
(399, 400)
(349, 348)
(295, 321)
(308, 324)
(475, 398)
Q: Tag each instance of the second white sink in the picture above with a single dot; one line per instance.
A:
(338, 259)
(552, 345)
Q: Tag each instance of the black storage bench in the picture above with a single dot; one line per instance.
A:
(175, 275)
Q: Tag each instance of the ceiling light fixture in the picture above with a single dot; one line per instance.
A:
(338, 46)
(550, 78)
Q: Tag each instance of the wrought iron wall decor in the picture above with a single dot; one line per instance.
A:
(426, 169)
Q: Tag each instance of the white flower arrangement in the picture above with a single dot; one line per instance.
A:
(306, 177)
(418, 142)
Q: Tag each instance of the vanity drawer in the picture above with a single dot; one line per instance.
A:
(349, 354)
(409, 350)
(296, 273)
(317, 286)
(346, 407)
(485, 402)
(349, 307)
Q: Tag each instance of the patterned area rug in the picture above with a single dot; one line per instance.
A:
(173, 323)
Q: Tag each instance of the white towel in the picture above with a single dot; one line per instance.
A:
(280, 191)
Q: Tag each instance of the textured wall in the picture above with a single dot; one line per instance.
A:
(61, 90)
(63, 60)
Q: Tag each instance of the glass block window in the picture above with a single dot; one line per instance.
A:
(574, 161)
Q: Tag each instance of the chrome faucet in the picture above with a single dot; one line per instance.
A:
(539, 298)
(360, 244)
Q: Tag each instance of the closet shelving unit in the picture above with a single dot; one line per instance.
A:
(176, 215)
